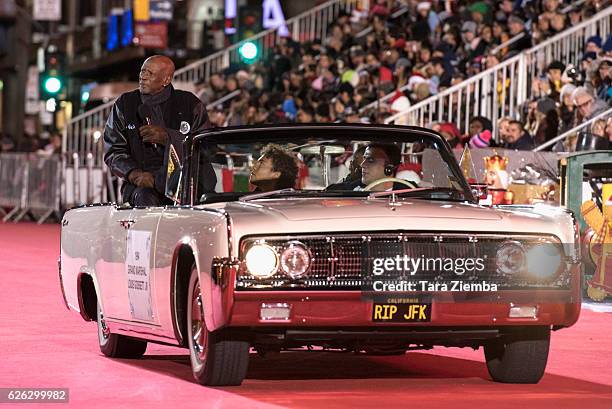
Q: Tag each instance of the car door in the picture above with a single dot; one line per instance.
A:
(110, 266)
(139, 268)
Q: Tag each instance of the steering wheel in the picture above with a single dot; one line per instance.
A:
(389, 179)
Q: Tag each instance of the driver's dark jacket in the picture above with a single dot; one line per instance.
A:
(124, 150)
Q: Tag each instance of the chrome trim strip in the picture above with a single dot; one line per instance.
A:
(404, 233)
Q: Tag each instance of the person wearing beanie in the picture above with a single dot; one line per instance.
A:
(517, 26)
(607, 46)
(322, 113)
(289, 108)
(545, 105)
(586, 61)
(346, 88)
(452, 135)
(469, 27)
(402, 63)
(546, 120)
(481, 140)
(593, 44)
(480, 11)
(604, 89)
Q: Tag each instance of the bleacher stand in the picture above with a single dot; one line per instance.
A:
(421, 47)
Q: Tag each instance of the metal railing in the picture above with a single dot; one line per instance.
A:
(499, 91)
(223, 99)
(579, 128)
(508, 43)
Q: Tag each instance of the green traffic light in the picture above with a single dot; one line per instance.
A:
(53, 85)
(248, 52)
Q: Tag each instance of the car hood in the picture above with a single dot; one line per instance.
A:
(325, 209)
(276, 216)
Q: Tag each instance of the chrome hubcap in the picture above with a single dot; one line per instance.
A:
(105, 332)
(198, 332)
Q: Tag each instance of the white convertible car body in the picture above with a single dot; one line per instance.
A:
(130, 269)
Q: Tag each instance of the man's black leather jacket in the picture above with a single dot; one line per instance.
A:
(124, 150)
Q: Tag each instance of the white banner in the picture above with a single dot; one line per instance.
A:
(137, 271)
(32, 104)
(50, 10)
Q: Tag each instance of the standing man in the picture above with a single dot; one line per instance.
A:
(142, 126)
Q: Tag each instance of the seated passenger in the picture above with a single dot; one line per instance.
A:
(275, 169)
(353, 179)
(380, 160)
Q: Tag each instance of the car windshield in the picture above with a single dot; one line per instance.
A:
(252, 164)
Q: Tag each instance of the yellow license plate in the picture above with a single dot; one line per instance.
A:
(403, 312)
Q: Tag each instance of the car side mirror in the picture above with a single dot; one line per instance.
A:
(480, 190)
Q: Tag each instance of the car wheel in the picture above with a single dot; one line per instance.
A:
(518, 357)
(115, 345)
(216, 358)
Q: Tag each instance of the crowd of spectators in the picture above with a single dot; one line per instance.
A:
(562, 99)
(412, 50)
(45, 144)
(420, 47)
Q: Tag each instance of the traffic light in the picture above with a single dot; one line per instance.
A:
(248, 51)
(249, 21)
(52, 79)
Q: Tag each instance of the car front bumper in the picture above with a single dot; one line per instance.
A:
(324, 309)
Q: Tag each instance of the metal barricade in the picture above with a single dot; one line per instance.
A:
(13, 176)
(30, 186)
(88, 183)
(43, 188)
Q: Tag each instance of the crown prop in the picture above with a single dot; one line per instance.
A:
(496, 162)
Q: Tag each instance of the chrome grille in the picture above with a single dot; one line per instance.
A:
(345, 261)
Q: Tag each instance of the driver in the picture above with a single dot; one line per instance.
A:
(275, 169)
(380, 160)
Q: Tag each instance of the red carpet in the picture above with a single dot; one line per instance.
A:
(44, 345)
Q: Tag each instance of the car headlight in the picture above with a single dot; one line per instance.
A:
(261, 260)
(295, 259)
(544, 260)
(510, 258)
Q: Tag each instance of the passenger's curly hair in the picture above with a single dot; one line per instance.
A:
(284, 162)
